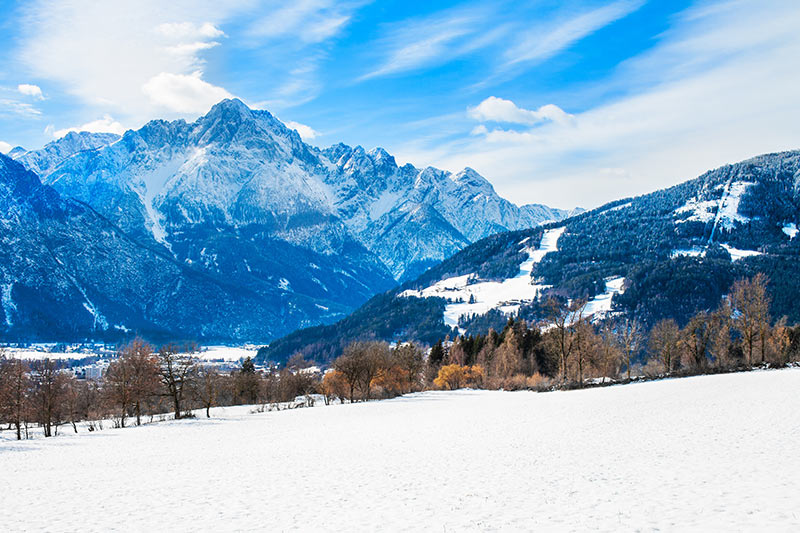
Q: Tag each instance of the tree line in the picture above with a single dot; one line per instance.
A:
(140, 383)
(571, 350)
(568, 351)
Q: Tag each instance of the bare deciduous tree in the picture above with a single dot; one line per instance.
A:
(14, 392)
(750, 304)
(176, 367)
(664, 344)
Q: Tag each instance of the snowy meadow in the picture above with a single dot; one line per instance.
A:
(707, 452)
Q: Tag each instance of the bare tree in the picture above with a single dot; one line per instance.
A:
(664, 344)
(144, 374)
(410, 358)
(176, 367)
(630, 337)
(587, 346)
(508, 358)
(696, 338)
(48, 386)
(118, 387)
(564, 318)
(208, 387)
(374, 360)
(14, 392)
(750, 304)
(608, 363)
(720, 335)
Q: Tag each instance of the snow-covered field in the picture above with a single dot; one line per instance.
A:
(706, 453)
(207, 353)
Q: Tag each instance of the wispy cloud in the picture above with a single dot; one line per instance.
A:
(310, 21)
(10, 106)
(428, 41)
(549, 38)
(445, 36)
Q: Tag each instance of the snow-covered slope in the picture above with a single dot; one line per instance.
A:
(467, 295)
(44, 161)
(709, 453)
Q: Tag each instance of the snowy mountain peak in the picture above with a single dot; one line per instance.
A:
(16, 152)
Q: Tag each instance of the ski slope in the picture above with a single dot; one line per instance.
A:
(711, 453)
(466, 297)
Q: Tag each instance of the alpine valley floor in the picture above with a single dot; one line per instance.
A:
(703, 453)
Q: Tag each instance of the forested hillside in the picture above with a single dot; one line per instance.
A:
(679, 250)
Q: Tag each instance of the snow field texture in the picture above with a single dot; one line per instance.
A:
(703, 453)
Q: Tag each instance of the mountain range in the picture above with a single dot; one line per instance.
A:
(668, 254)
(229, 228)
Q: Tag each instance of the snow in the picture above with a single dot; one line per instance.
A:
(506, 295)
(153, 183)
(600, 305)
(723, 211)
(704, 453)
(48, 351)
(700, 210)
(207, 353)
(790, 230)
(697, 251)
(694, 251)
(737, 254)
(386, 201)
(618, 207)
(9, 306)
(728, 213)
(227, 353)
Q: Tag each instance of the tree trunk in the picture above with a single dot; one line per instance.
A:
(208, 409)
(177, 406)
(138, 413)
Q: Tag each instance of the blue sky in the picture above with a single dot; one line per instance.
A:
(566, 103)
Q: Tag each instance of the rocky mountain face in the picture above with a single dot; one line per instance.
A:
(287, 234)
(669, 254)
(69, 273)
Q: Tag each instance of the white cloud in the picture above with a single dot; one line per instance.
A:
(30, 90)
(107, 124)
(15, 107)
(310, 21)
(541, 43)
(104, 53)
(5, 147)
(494, 109)
(306, 132)
(134, 59)
(189, 30)
(183, 93)
(430, 41)
(716, 89)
